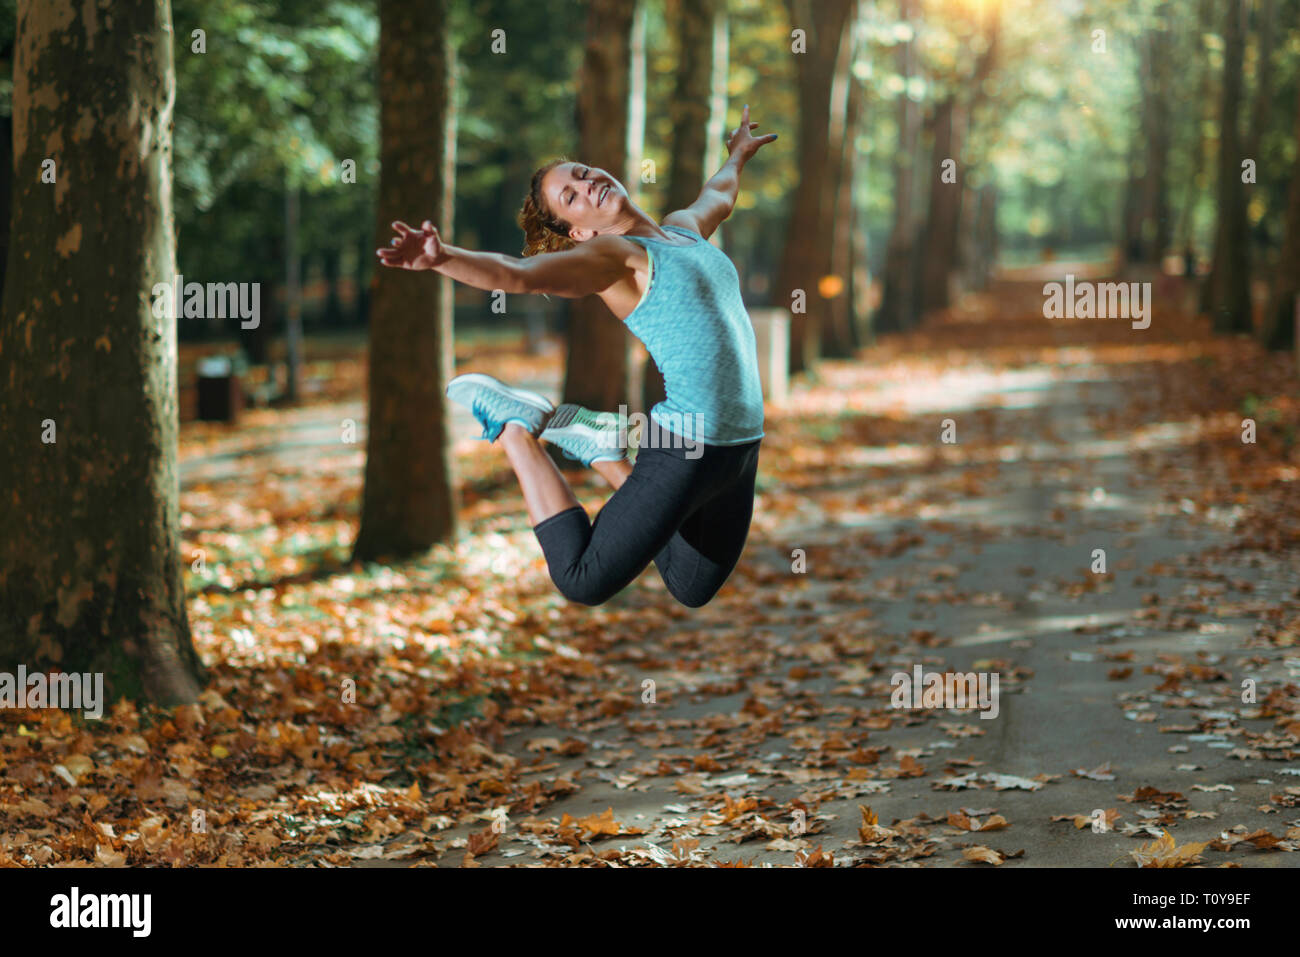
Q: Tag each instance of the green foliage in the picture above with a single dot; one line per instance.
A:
(286, 91)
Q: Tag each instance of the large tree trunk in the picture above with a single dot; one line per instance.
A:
(90, 558)
(896, 305)
(410, 499)
(808, 237)
(596, 371)
(1277, 330)
(1227, 290)
(690, 111)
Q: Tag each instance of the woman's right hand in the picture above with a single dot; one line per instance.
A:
(742, 143)
(414, 249)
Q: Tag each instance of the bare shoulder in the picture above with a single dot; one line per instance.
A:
(615, 249)
(683, 218)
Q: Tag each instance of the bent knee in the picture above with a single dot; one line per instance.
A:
(590, 593)
(694, 597)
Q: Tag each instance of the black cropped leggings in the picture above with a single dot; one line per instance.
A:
(689, 515)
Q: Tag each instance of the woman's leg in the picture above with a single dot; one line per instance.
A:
(699, 559)
(591, 562)
(615, 473)
(546, 493)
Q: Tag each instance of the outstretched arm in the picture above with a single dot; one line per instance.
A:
(718, 198)
(591, 267)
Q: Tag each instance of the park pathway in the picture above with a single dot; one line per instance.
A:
(758, 728)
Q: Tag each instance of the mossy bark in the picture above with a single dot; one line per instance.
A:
(90, 559)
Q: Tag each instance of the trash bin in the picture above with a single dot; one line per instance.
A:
(221, 397)
(772, 335)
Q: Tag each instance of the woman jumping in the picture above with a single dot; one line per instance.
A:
(687, 502)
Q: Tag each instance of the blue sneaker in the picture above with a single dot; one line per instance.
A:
(496, 404)
(586, 436)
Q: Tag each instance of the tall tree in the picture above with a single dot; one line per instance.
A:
(1265, 37)
(6, 157)
(90, 559)
(597, 368)
(410, 497)
(1278, 328)
(950, 122)
(1198, 28)
(938, 244)
(1226, 295)
(896, 310)
(838, 338)
(1147, 225)
(820, 29)
(691, 111)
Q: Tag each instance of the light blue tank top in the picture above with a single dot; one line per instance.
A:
(695, 326)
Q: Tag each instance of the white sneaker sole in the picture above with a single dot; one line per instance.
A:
(539, 402)
(603, 441)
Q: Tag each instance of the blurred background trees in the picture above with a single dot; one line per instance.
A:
(1084, 129)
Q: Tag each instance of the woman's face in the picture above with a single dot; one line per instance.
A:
(585, 196)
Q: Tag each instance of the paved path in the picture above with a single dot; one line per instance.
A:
(771, 711)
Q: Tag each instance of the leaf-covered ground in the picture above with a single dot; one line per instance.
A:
(455, 710)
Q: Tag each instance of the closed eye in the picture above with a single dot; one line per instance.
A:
(569, 200)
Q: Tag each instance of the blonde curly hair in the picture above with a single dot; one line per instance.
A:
(544, 232)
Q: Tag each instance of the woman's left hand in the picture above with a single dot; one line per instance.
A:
(742, 142)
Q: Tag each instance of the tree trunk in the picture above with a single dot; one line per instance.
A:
(636, 105)
(808, 235)
(292, 297)
(1265, 30)
(364, 277)
(597, 368)
(1277, 330)
(979, 237)
(690, 111)
(1227, 290)
(90, 557)
(1147, 229)
(689, 108)
(1157, 209)
(332, 315)
(6, 168)
(715, 136)
(954, 118)
(410, 499)
(939, 238)
(838, 340)
(896, 310)
(1186, 230)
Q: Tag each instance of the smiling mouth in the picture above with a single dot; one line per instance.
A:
(603, 193)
